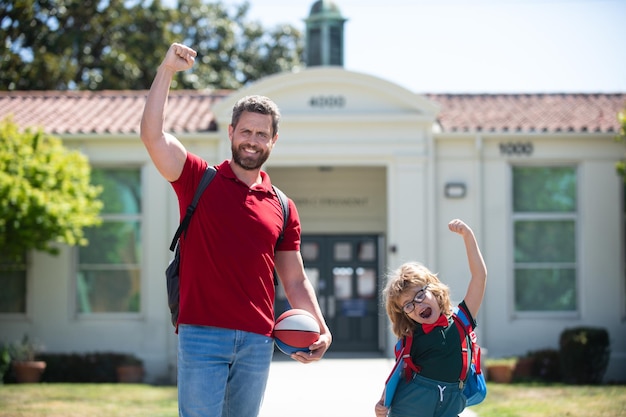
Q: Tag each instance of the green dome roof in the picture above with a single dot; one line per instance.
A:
(326, 8)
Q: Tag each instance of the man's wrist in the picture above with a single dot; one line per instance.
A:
(167, 70)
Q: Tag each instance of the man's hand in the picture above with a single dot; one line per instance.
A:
(316, 350)
(179, 58)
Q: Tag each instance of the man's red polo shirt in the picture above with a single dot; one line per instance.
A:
(227, 252)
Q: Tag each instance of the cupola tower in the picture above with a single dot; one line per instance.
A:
(324, 35)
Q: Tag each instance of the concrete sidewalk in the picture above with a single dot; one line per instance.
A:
(336, 386)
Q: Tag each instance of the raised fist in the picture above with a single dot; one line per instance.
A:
(179, 57)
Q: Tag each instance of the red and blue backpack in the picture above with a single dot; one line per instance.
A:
(471, 379)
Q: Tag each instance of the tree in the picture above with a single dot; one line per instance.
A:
(118, 44)
(621, 137)
(232, 51)
(80, 44)
(45, 193)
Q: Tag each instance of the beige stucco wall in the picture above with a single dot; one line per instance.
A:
(381, 146)
(476, 160)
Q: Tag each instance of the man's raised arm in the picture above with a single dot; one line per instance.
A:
(167, 153)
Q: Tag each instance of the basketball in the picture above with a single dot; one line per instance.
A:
(295, 330)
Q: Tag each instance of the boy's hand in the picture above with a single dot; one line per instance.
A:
(458, 226)
(380, 409)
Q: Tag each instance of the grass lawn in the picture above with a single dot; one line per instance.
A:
(138, 400)
(535, 400)
(87, 400)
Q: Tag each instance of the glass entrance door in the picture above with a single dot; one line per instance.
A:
(344, 271)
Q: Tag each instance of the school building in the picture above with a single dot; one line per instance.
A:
(376, 172)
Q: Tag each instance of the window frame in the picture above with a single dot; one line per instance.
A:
(623, 242)
(545, 216)
(140, 267)
(28, 296)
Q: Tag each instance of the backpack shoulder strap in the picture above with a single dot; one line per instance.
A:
(405, 351)
(463, 335)
(464, 317)
(207, 177)
(284, 205)
(470, 350)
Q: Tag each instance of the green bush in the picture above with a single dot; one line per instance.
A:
(81, 367)
(5, 361)
(584, 355)
(546, 365)
(539, 365)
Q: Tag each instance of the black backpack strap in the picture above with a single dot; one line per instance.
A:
(207, 177)
(284, 205)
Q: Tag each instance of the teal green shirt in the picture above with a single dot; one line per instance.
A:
(438, 353)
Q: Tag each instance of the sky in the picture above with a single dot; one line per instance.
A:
(476, 46)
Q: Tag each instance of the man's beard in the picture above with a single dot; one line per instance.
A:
(249, 163)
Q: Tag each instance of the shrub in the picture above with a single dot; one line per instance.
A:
(584, 354)
(546, 365)
(5, 360)
(81, 367)
(539, 365)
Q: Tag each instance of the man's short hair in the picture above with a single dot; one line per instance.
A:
(257, 104)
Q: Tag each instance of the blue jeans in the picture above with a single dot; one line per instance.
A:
(221, 372)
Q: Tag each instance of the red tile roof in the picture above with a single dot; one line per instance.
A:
(112, 112)
(119, 112)
(529, 112)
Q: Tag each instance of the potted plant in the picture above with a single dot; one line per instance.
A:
(129, 369)
(500, 370)
(24, 364)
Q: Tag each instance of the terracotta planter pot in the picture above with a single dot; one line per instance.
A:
(129, 374)
(28, 371)
(500, 373)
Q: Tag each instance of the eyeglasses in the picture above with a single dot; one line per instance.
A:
(419, 298)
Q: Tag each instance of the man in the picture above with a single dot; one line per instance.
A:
(227, 256)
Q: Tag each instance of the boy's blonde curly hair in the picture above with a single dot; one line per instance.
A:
(408, 278)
